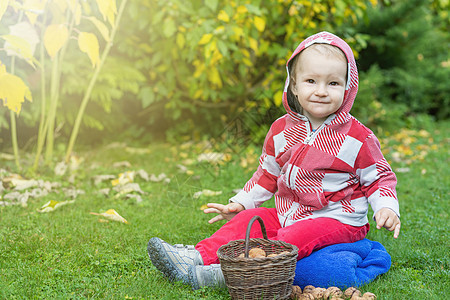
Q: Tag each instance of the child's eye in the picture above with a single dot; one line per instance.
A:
(334, 83)
(310, 80)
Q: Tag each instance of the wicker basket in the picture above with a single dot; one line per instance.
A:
(258, 278)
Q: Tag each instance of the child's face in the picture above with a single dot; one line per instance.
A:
(319, 84)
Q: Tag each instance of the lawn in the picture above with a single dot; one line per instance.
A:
(70, 253)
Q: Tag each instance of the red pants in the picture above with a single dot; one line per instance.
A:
(308, 235)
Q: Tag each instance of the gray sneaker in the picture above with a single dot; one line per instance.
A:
(173, 260)
(211, 275)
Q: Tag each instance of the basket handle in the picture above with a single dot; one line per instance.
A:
(247, 234)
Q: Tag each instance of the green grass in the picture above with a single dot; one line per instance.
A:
(68, 253)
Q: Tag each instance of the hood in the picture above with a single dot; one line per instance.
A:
(352, 76)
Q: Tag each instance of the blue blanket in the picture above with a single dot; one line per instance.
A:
(343, 265)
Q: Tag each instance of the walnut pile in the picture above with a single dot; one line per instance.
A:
(332, 293)
(258, 252)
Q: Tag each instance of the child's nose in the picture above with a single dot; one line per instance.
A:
(321, 90)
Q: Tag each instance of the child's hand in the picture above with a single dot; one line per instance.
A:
(388, 219)
(226, 212)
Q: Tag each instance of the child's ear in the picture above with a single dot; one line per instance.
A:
(293, 87)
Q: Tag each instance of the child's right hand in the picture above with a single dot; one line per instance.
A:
(226, 212)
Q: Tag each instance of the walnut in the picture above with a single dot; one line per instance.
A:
(306, 296)
(351, 291)
(308, 289)
(318, 292)
(332, 291)
(296, 292)
(272, 255)
(369, 296)
(256, 252)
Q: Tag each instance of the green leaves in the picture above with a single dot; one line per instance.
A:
(169, 28)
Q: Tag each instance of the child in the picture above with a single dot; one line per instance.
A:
(322, 166)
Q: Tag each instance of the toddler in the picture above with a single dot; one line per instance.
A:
(322, 166)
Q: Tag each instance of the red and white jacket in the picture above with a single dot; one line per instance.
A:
(333, 172)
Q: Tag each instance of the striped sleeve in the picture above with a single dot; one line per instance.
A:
(263, 183)
(377, 179)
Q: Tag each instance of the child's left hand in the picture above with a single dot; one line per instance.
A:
(388, 219)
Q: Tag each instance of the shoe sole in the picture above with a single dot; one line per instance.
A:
(160, 260)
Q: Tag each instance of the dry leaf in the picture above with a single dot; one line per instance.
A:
(60, 168)
(23, 184)
(127, 188)
(38, 193)
(207, 193)
(124, 178)
(104, 191)
(6, 156)
(138, 198)
(52, 205)
(99, 178)
(73, 193)
(213, 157)
(17, 198)
(121, 164)
(139, 151)
(111, 214)
(161, 177)
(143, 174)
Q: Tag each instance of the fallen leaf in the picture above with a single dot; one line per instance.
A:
(73, 193)
(60, 168)
(52, 205)
(138, 198)
(17, 198)
(127, 188)
(75, 162)
(207, 193)
(121, 164)
(104, 191)
(23, 184)
(143, 174)
(124, 178)
(161, 177)
(99, 178)
(6, 156)
(139, 151)
(213, 157)
(38, 193)
(402, 170)
(111, 214)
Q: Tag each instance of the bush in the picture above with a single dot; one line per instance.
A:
(407, 58)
